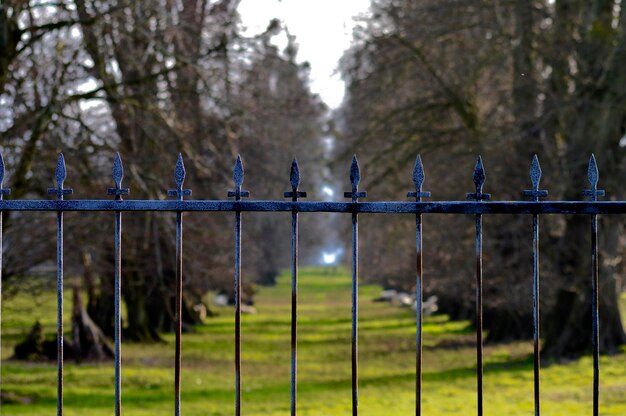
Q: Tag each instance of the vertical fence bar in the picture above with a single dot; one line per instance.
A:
(118, 191)
(3, 191)
(60, 313)
(594, 193)
(59, 191)
(535, 193)
(418, 179)
(355, 313)
(179, 193)
(238, 175)
(355, 178)
(294, 194)
(294, 309)
(179, 296)
(479, 181)
(595, 314)
(536, 355)
(118, 318)
(479, 312)
(238, 313)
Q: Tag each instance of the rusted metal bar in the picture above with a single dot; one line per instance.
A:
(479, 181)
(418, 180)
(238, 194)
(593, 194)
(118, 191)
(536, 328)
(179, 193)
(355, 178)
(3, 191)
(294, 195)
(536, 193)
(59, 191)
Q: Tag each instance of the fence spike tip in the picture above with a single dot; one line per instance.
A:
(179, 171)
(479, 173)
(61, 172)
(592, 171)
(418, 172)
(238, 172)
(355, 172)
(295, 174)
(1, 169)
(535, 172)
(118, 170)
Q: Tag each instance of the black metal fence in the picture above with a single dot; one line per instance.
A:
(476, 205)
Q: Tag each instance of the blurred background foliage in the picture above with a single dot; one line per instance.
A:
(448, 79)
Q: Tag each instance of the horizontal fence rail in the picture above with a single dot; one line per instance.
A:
(477, 204)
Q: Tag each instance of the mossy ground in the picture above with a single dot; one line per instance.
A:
(386, 372)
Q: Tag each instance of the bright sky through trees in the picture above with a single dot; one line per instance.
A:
(323, 31)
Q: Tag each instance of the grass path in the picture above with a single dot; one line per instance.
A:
(386, 373)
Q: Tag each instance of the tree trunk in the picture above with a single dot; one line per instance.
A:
(567, 328)
(89, 341)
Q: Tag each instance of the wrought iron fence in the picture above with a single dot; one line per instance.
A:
(477, 204)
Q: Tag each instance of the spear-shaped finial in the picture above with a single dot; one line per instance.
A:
(535, 177)
(479, 181)
(238, 172)
(418, 180)
(294, 178)
(418, 172)
(179, 171)
(1, 169)
(355, 178)
(60, 175)
(355, 173)
(535, 172)
(592, 172)
(238, 178)
(3, 191)
(294, 175)
(118, 175)
(593, 175)
(61, 172)
(179, 178)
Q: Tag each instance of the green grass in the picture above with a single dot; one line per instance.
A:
(386, 372)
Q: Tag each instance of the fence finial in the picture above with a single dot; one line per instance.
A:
(418, 173)
(238, 178)
(179, 171)
(238, 172)
(179, 179)
(535, 172)
(294, 178)
(593, 175)
(60, 175)
(355, 173)
(118, 175)
(479, 181)
(3, 191)
(118, 170)
(418, 180)
(535, 177)
(592, 172)
(355, 178)
(1, 169)
(479, 174)
(61, 172)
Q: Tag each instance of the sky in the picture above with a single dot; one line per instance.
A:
(323, 31)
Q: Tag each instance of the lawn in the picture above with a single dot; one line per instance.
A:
(386, 372)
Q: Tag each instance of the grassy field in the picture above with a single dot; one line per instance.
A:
(387, 364)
